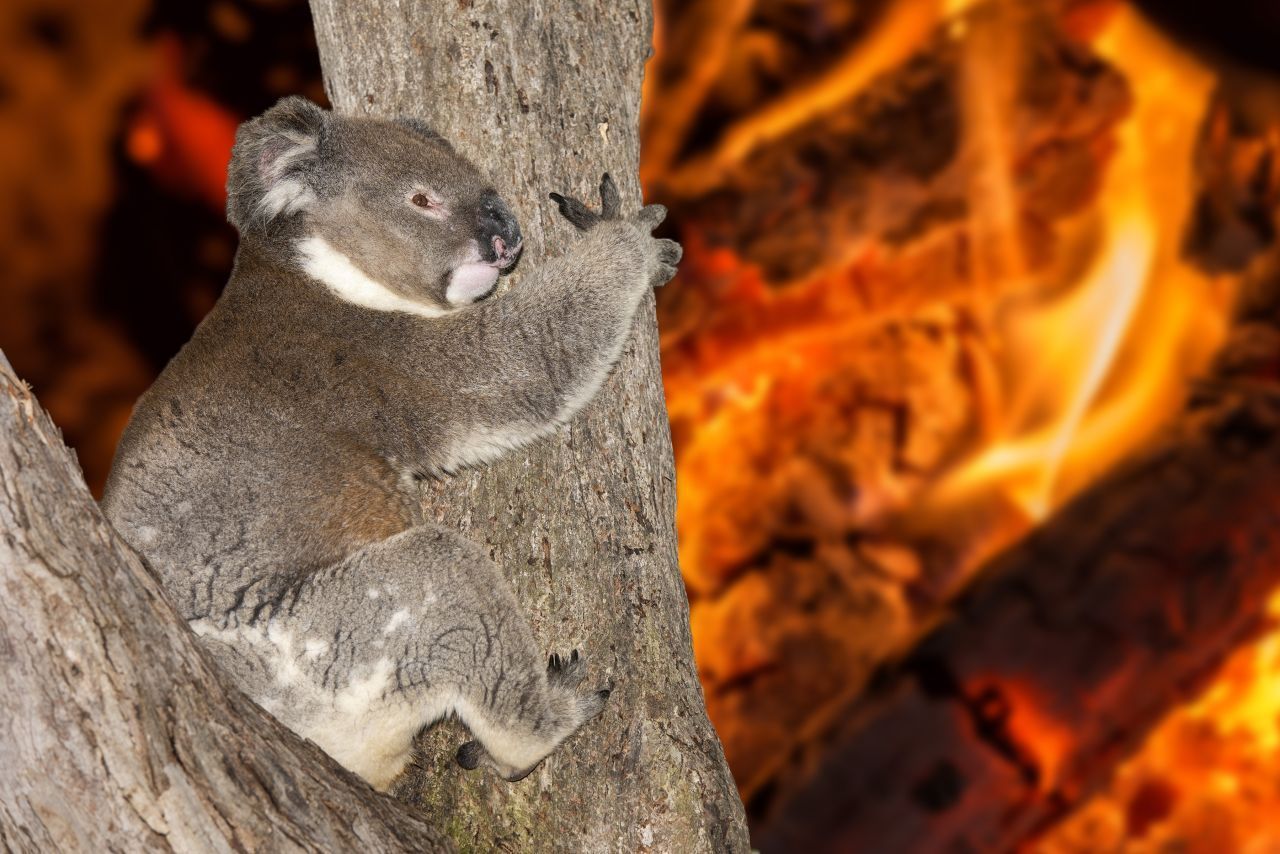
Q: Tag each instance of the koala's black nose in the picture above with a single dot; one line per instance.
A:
(497, 220)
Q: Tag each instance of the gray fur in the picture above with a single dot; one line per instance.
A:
(271, 473)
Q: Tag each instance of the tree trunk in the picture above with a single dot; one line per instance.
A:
(545, 97)
(118, 734)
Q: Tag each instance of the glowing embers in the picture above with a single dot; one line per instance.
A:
(1205, 780)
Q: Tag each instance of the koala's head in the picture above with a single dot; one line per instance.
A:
(386, 212)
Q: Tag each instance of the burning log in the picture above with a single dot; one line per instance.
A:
(898, 161)
(1236, 160)
(1053, 666)
(846, 462)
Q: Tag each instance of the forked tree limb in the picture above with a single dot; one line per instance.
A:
(116, 732)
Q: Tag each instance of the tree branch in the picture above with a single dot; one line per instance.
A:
(119, 734)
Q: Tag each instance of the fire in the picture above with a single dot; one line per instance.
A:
(1213, 763)
(1068, 349)
(1092, 371)
(1087, 359)
(899, 32)
(1072, 355)
(1096, 368)
(1247, 701)
(1100, 363)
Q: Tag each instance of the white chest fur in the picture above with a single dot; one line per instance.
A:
(349, 283)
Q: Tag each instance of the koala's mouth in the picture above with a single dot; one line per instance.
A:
(477, 278)
(504, 256)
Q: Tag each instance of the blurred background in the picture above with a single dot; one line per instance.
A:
(947, 261)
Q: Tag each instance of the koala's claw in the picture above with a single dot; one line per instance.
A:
(668, 256)
(610, 199)
(585, 219)
(582, 217)
(593, 704)
(670, 252)
(566, 672)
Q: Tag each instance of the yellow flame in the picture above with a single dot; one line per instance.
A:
(1072, 344)
(1093, 370)
(1249, 705)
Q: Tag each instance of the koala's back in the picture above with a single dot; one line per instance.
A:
(231, 476)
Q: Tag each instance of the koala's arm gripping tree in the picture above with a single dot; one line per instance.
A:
(556, 336)
(545, 97)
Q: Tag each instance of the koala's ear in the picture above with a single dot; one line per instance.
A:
(274, 163)
(423, 130)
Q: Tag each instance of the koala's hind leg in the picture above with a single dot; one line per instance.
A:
(363, 654)
(514, 744)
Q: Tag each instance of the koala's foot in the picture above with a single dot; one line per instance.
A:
(470, 755)
(514, 752)
(662, 255)
(566, 672)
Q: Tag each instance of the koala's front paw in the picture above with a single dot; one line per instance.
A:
(662, 255)
(666, 255)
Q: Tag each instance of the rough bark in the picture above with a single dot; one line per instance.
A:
(545, 96)
(116, 732)
(1069, 647)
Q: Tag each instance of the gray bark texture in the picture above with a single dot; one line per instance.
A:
(545, 97)
(116, 732)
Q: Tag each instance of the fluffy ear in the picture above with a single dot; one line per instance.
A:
(423, 130)
(273, 164)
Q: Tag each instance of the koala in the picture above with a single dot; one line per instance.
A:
(272, 474)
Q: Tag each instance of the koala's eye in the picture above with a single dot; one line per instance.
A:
(429, 204)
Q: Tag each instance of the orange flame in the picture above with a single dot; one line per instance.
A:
(1215, 760)
(1095, 367)
(899, 32)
